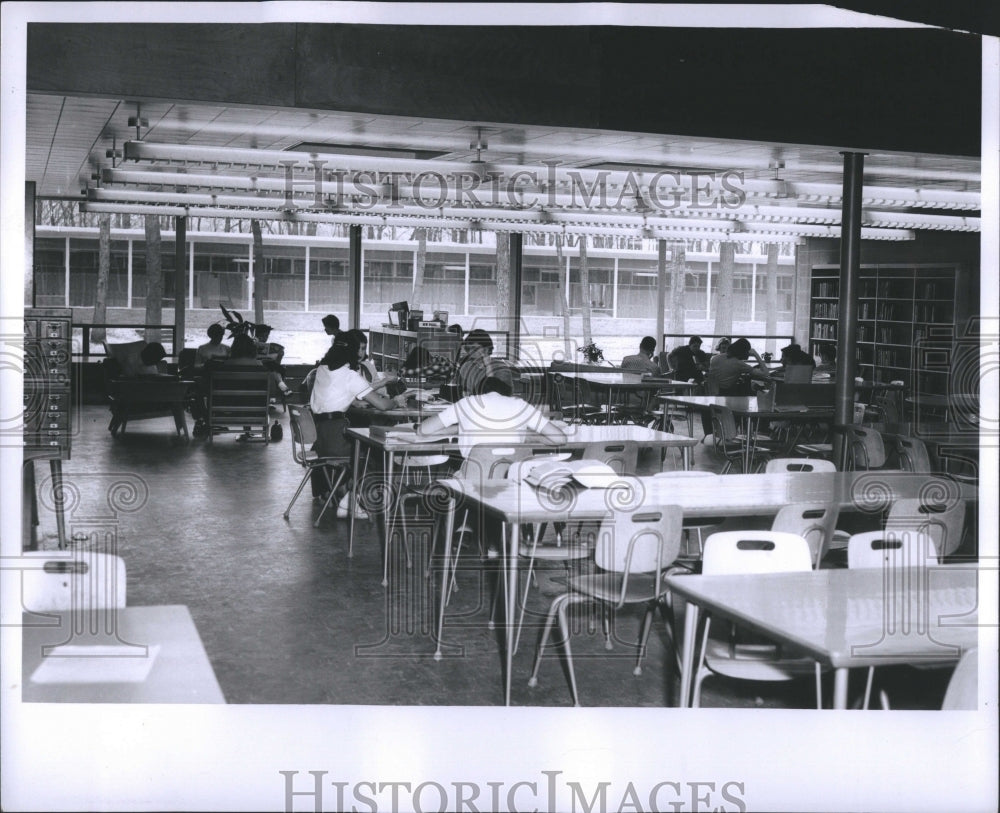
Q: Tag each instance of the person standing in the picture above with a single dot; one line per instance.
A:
(331, 326)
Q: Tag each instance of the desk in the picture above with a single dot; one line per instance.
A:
(842, 618)
(619, 382)
(741, 495)
(180, 671)
(747, 410)
(578, 437)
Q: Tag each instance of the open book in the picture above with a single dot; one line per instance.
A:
(553, 475)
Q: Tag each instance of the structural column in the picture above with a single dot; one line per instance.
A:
(180, 283)
(847, 307)
(661, 289)
(516, 256)
(354, 277)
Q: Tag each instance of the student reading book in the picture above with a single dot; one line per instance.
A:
(493, 416)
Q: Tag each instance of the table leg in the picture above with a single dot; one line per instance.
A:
(354, 496)
(59, 500)
(686, 454)
(510, 603)
(840, 688)
(688, 650)
(386, 510)
(449, 530)
(690, 417)
(749, 425)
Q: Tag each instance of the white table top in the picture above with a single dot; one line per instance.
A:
(155, 656)
(850, 618)
(723, 495)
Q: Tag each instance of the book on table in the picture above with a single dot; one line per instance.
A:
(553, 475)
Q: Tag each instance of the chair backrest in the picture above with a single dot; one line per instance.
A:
(70, 581)
(900, 548)
(621, 455)
(724, 430)
(303, 426)
(188, 357)
(866, 450)
(814, 522)
(639, 542)
(943, 522)
(491, 463)
(912, 454)
(797, 464)
(962, 693)
(735, 552)
(685, 474)
(798, 374)
(239, 397)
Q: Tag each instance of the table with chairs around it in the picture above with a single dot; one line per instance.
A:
(673, 539)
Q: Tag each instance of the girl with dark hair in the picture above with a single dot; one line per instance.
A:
(338, 383)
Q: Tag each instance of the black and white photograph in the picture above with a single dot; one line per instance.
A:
(492, 407)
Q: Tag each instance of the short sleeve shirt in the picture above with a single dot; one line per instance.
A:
(336, 390)
(491, 419)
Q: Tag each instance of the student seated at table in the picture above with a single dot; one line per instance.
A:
(213, 348)
(796, 365)
(421, 363)
(688, 361)
(494, 417)
(731, 374)
(477, 363)
(827, 360)
(367, 368)
(642, 362)
(337, 384)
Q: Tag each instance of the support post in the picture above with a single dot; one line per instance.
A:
(354, 277)
(847, 307)
(516, 255)
(661, 290)
(180, 283)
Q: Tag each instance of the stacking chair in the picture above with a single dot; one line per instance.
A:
(942, 522)
(72, 581)
(622, 456)
(732, 445)
(574, 403)
(865, 448)
(303, 437)
(633, 556)
(890, 550)
(912, 455)
(693, 526)
(798, 464)
(752, 552)
(814, 522)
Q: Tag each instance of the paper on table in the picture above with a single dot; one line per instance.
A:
(96, 664)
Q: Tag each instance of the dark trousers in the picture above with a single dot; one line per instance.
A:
(330, 442)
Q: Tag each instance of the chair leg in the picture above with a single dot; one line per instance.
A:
(564, 628)
(647, 623)
(341, 474)
(549, 620)
(868, 687)
(298, 491)
(819, 688)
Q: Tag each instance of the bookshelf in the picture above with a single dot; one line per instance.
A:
(907, 321)
(389, 346)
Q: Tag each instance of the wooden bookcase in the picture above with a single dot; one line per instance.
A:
(909, 317)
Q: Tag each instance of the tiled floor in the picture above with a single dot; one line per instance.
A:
(287, 617)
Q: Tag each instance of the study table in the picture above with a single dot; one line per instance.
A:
(515, 504)
(842, 618)
(139, 655)
(578, 437)
(621, 383)
(749, 412)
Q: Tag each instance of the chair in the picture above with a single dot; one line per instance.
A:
(693, 525)
(912, 455)
(239, 399)
(943, 522)
(798, 464)
(798, 374)
(132, 399)
(745, 553)
(574, 403)
(890, 550)
(303, 437)
(814, 522)
(70, 581)
(415, 474)
(622, 456)
(732, 445)
(865, 448)
(633, 555)
(962, 693)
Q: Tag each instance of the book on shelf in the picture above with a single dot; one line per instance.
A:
(555, 475)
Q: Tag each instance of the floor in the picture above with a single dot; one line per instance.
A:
(287, 617)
